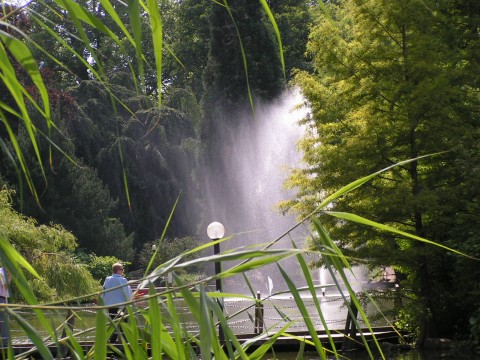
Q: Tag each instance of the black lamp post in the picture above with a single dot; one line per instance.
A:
(216, 231)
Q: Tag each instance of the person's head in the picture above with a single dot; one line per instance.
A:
(117, 268)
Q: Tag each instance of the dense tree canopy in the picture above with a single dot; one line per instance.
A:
(389, 84)
(116, 160)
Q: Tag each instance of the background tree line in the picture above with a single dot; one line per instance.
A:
(129, 159)
(385, 80)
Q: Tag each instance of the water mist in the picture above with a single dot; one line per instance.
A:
(256, 158)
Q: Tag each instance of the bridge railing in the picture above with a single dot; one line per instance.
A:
(245, 316)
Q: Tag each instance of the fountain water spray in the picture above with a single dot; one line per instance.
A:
(256, 157)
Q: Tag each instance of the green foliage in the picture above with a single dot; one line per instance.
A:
(76, 198)
(169, 249)
(159, 151)
(49, 249)
(475, 326)
(388, 85)
(294, 20)
(252, 66)
(67, 278)
(99, 266)
(101, 71)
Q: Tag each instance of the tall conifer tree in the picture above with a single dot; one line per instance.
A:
(243, 68)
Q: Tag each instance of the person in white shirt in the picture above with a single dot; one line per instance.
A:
(5, 278)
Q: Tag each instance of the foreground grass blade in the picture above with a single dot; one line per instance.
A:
(335, 263)
(277, 33)
(227, 339)
(357, 183)
(155, 318)
(259, 353)
(176, 326)
(13, 261)
(150, 263)
(301, 351)
(131, 346)
(258, 258)
(16, 145)
(303, 310)
(33, 336)
(135, 23)
(73, 344)
(10, 255)
(364, 221)
(101, 335)
(206, 326)
(157, 37)
(160, 338)
(313, 292)
(244, 56)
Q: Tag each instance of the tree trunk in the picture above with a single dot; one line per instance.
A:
(428, 328)
(428, 322)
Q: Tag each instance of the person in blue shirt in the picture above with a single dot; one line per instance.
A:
(116, 291)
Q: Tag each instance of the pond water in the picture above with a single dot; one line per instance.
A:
(416, 354)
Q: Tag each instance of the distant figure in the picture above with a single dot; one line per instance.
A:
(5, 278)
(116, 291)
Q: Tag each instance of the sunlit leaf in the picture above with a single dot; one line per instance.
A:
(364, 221)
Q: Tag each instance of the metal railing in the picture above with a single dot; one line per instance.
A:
(245, 316)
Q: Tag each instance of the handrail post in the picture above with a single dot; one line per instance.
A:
(70, 322)
(350, 332)
(259, 312)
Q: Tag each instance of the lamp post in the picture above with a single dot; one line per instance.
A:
(216, 231)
